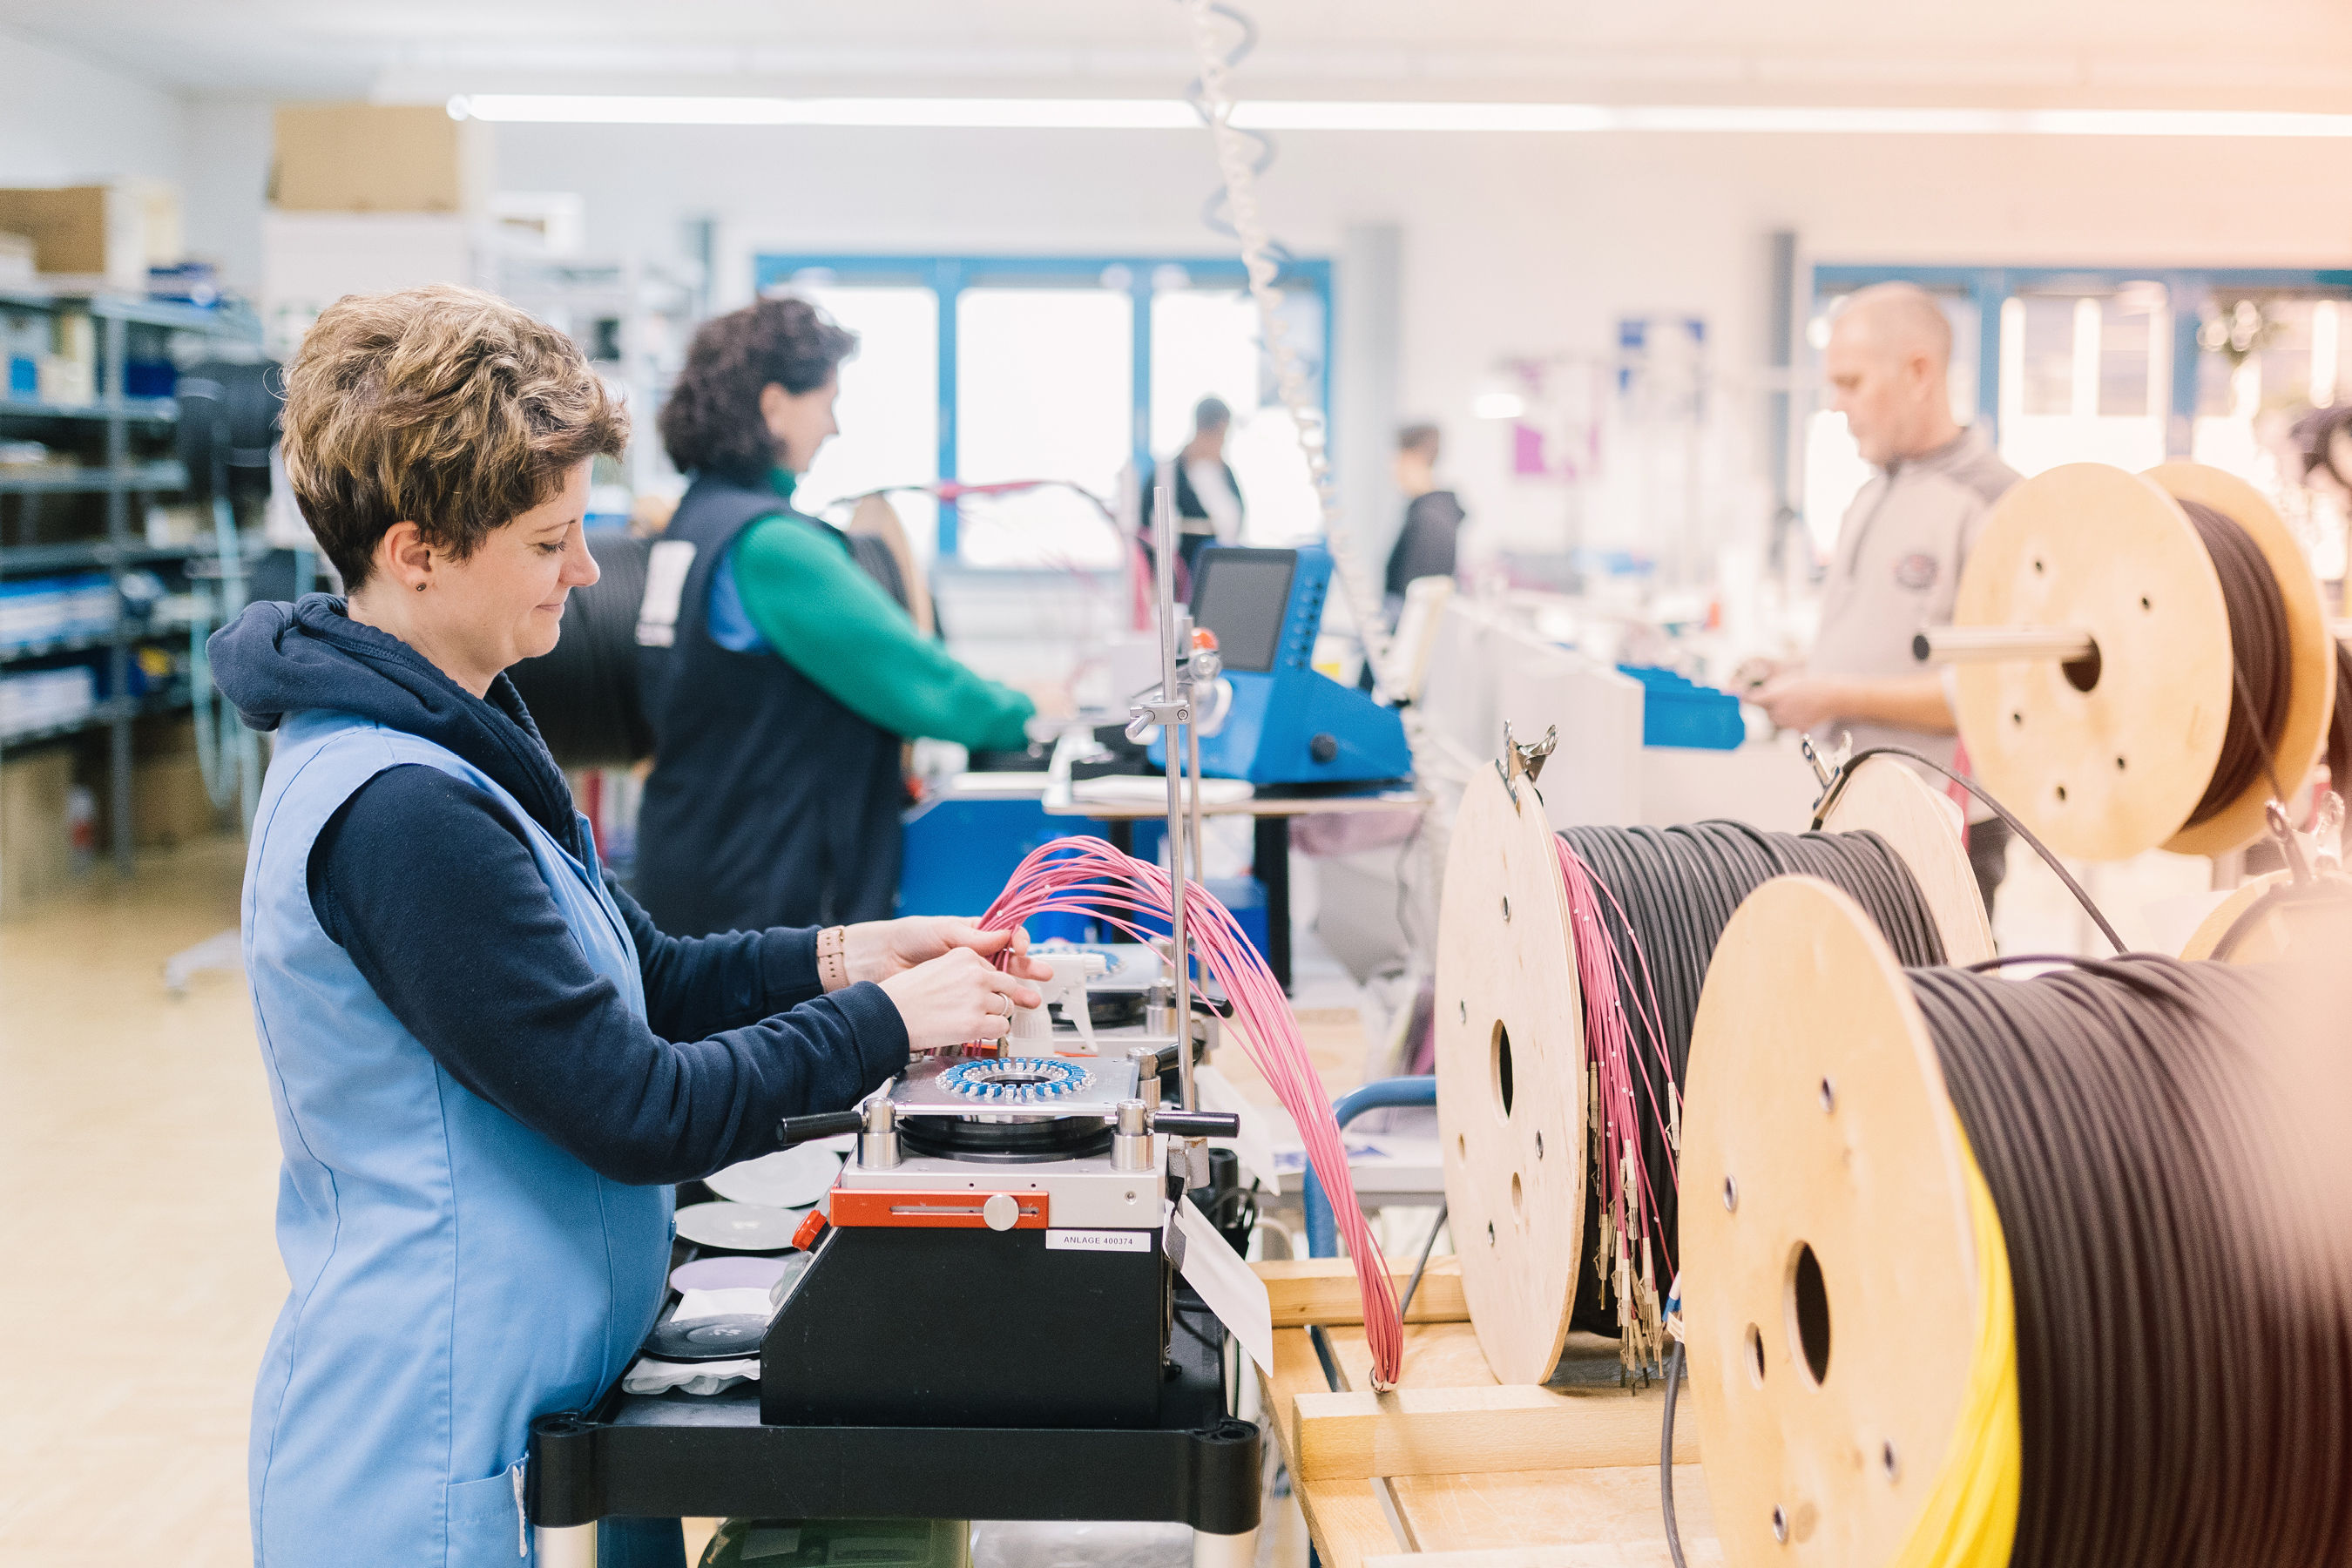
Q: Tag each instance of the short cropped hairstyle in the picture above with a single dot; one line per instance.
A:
(443, 406)
(1419, 437)
(1210, 414)
(711, 422)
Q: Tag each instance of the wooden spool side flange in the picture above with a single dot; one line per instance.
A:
(2311, 670)
(1884, 796)
(1507, 993)
(2312, 928)
(1817, 1119)
(2108, 773)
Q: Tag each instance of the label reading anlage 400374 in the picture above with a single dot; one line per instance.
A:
(1098, 1241)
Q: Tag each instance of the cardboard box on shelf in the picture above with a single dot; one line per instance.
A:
(36, 835)
(168, 802)
(377, 157)
(95, 236)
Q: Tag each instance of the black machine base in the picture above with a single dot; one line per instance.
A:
(970, 1328)
(673, 1455)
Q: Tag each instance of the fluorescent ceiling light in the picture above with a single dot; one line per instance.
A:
(1499, 405)
(917, 113)
(1278, 114)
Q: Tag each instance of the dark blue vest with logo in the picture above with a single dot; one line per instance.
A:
(770, 803)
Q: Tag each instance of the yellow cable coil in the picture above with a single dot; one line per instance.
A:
(1970, 1519)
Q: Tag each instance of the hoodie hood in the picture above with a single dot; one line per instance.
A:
(278, 659)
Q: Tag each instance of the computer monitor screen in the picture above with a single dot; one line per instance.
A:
(1240, 595)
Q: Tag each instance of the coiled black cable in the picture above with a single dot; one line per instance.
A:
(2259, 656)
(1671, 892)
(2184, 1358)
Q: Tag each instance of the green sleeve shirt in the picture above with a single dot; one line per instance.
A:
(817, 606)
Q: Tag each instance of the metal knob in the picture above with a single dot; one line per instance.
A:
(1130, 1144)
(878, 1144)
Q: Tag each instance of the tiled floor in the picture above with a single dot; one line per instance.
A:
(137, 1172)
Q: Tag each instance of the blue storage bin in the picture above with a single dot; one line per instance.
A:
(959, 854)
(1676, 711)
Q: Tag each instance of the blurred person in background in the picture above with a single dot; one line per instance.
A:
(1208, 498)
(780, 678)
(1428, 545)
(1901, 548)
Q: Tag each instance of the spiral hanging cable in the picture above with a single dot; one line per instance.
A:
(1212, 99)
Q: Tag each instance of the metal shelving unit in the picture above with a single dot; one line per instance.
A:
(119, 479)
(143, 477)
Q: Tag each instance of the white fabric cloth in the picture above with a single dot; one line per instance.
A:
(651, 1375)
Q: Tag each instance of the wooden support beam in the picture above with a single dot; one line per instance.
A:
(1323, 1291)
(1458, 1431)
(1589, 1554)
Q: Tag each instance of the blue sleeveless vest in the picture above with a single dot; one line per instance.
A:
(453, 1273)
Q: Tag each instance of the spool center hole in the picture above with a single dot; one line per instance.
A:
(1809, 1311)
(1502, 1062)
(2083, 673)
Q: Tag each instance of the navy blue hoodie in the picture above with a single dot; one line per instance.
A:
(434, 893)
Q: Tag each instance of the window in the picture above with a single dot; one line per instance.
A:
(1045, 384)
(889, 407)
(2088, 376)
(1082, 369)
(2118, 366)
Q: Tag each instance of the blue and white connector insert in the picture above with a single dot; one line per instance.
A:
(1016, 1080)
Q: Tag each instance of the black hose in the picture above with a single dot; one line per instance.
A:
(584, 694)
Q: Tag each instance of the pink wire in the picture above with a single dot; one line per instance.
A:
(1086, 876)
(1606, 980)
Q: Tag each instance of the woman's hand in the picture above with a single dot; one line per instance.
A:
(877, 950)
(956, 997)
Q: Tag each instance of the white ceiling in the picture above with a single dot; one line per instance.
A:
(2247, 53)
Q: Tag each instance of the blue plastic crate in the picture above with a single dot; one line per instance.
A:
(1677, 712)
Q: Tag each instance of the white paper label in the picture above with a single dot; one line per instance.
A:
(666, 565)
(1230, 1287)
(1098, 1241)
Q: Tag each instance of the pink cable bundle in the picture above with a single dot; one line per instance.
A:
(1632, 1222)
(1087, 877)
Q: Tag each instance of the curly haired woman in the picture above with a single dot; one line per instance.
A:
(778, 676)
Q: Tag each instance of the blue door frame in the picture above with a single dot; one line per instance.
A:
(948, 277)
(2187, 289)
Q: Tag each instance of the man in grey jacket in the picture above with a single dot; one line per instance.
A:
(1903, 543)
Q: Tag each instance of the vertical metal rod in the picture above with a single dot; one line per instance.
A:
(1163, 531)
(113, 346)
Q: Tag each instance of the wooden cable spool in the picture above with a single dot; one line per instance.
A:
(1818, 1136)
(1511, 1069)
(2108, 755)
(2320, 926)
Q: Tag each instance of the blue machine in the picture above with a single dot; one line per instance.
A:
(1288, 725)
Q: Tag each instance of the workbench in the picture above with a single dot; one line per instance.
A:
(675, 1455)
(1451, 1470)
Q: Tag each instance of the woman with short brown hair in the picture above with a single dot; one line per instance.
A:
(486, 1064)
